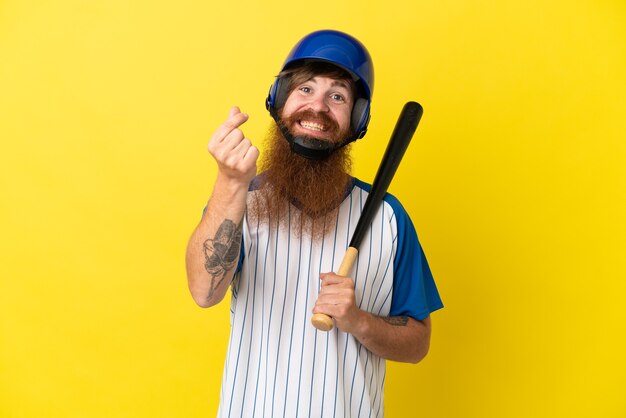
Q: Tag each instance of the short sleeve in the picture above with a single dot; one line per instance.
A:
(414, 291)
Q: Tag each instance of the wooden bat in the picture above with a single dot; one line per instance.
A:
(398, 143)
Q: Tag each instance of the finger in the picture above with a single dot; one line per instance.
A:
(252, 155)
(223, 148)
(240, 150)
(329, 279)
(332, 298)
(323, 309)
(243, 156)
(233, 122)
(233, 139)
(332, 309)
(334, 292)
(335, 299)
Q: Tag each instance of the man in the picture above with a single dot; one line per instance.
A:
(276, 238)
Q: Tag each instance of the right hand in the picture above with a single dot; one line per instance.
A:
(234, 153)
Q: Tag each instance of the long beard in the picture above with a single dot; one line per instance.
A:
(304, 193)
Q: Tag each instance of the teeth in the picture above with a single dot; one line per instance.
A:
(312, 126)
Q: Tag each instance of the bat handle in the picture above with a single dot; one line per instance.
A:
(324, 322)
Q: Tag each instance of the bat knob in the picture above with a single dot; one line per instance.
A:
(322, 322)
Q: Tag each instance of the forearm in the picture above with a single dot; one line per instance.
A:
(401, 338)
(213, 249)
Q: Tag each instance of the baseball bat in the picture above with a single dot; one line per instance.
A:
(398, 143)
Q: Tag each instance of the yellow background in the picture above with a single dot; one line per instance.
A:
(516, 181)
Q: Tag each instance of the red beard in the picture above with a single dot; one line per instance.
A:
(315, 187)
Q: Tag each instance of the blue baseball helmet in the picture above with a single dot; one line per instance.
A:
(345, 52)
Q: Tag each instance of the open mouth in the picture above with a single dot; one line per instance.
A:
(312, 126)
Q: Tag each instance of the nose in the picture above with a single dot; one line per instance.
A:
(318, 103)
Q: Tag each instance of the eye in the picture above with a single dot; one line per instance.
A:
(305, 89)
(338, 97)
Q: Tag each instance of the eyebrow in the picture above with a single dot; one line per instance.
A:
(335, 83)
(340, 83)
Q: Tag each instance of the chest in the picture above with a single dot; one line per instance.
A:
(280, 262)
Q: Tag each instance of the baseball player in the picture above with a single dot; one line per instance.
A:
(275, 234)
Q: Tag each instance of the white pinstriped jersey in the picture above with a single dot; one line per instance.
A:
(278, 364)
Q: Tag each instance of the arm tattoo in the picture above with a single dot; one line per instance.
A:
(221, 252)
(399, 321)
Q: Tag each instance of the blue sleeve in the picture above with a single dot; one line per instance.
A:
(414, 291)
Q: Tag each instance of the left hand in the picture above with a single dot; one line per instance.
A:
(336, 299)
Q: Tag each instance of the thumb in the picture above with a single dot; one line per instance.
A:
(233, 111)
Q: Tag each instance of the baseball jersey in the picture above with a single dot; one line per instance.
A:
(278, 364)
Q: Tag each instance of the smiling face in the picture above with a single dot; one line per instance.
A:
(319, 107)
